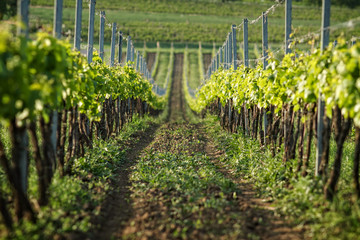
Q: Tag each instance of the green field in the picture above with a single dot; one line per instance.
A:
(184, 21)
(160, 76)
(194, 76)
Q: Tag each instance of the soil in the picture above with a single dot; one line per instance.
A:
(207, 61)
(123, 57)
(150, 59)
(124, 215)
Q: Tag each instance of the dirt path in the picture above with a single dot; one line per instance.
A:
(260, 219)
(207, 61)
(176, 101)
(150, 59)
(117, 207)
(185, 204)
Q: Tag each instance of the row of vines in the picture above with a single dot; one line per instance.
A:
(53, 105)
(285, 95)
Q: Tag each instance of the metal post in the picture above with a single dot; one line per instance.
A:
(230, 113)
(137, 61)
(265, 49)
(132, 52)
(143, 65)
(288, 9)
(325, 33)
(140, 63)
(120, 46)
(57, 33)
(58, 9)
(23, 16)
(225, 55)
(230, 49)
(221, 56)
(91, 31)
(264, 39)
(246, 43)
(113, 42)
(78, 16)
(233, 28)
(101, 35)
(217, 60)
(22, 139)
(128, 50)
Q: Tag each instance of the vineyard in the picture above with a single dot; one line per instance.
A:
(179, 121)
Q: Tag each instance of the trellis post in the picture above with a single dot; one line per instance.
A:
(325, 34)
(113, 41)
(265, 53)
(101, 35)
(234, 46)
(78, 16)
(91, 31)
(288, 10)
(58, 9)
(246, 43)
(120, 47)
(128, 50)
(23, 17)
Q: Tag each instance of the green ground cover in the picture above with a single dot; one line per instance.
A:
(162, 71)
(182, 21)
(194, 76)
(299, 197)
(74, 198)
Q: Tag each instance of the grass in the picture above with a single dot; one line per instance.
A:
(303, 200)
(183, 21)
(194, 76)
(160, 77)
(74, 199)
(182, 183)
(243, 9)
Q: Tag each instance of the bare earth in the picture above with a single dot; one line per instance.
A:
(123, 215)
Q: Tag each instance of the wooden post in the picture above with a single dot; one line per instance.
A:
(246, 43)
(128, 50)
(101, 35)
(325, 34)
(91, 31)
(78, 16)
(120, 47)
(288, 9)
(58, 9)
(113, 42)
(23, 17)
(234, 46)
